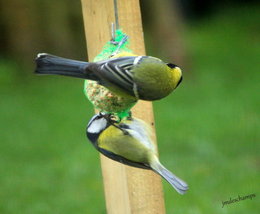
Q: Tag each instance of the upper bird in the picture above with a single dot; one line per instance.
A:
(129, 142)
(142, 77)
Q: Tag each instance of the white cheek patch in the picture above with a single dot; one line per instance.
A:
(97, 125)
(41, 54)
(137, 59)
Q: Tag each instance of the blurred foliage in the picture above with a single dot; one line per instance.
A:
(163, 32)
(200, 9)
(208, 130)
(28, 27)
(32, 26)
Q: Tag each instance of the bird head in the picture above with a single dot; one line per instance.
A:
(97, 124)
(176, 73)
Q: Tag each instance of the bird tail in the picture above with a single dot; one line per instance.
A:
(179, 185)
(50, 64)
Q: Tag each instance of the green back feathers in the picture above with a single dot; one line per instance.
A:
(146, 80)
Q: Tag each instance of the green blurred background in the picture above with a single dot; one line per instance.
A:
(208, 130)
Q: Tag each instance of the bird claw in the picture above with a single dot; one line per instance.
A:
(118, 44)
(129, 117)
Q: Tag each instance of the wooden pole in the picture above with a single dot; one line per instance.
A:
(127, 189)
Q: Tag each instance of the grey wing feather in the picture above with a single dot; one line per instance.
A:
(179, 185)
(118, 72)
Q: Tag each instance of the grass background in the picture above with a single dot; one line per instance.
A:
(208, 130)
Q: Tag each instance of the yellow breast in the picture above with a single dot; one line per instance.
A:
(114, 140)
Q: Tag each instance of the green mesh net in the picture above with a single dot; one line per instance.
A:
(102, 98)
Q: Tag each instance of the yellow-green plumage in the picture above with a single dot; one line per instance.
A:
(114, 140)
(114, 85)
(155, 79)
(129, 142)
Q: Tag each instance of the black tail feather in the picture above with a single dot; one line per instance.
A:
(50, 64)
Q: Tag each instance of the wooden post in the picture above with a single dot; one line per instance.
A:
(127, 189)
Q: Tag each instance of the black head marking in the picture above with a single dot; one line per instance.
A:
(179, 82)
(171, 65)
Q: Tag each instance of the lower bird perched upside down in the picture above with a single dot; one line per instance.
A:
(129, 142)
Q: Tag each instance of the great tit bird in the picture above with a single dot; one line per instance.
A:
(142, 77)
(129, 142)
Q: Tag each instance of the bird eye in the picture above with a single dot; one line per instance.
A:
(171, 65)
(99, 116)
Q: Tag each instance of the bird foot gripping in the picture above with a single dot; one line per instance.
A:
(118, 41)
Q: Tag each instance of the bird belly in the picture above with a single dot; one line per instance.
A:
(115, 141)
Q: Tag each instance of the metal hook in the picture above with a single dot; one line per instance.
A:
(116, 14)
(119, 45)
(115, 26)
(113, 34)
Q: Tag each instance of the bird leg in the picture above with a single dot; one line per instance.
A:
(119, 45)
(129, 116)
(114, 42)
(112, 121)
